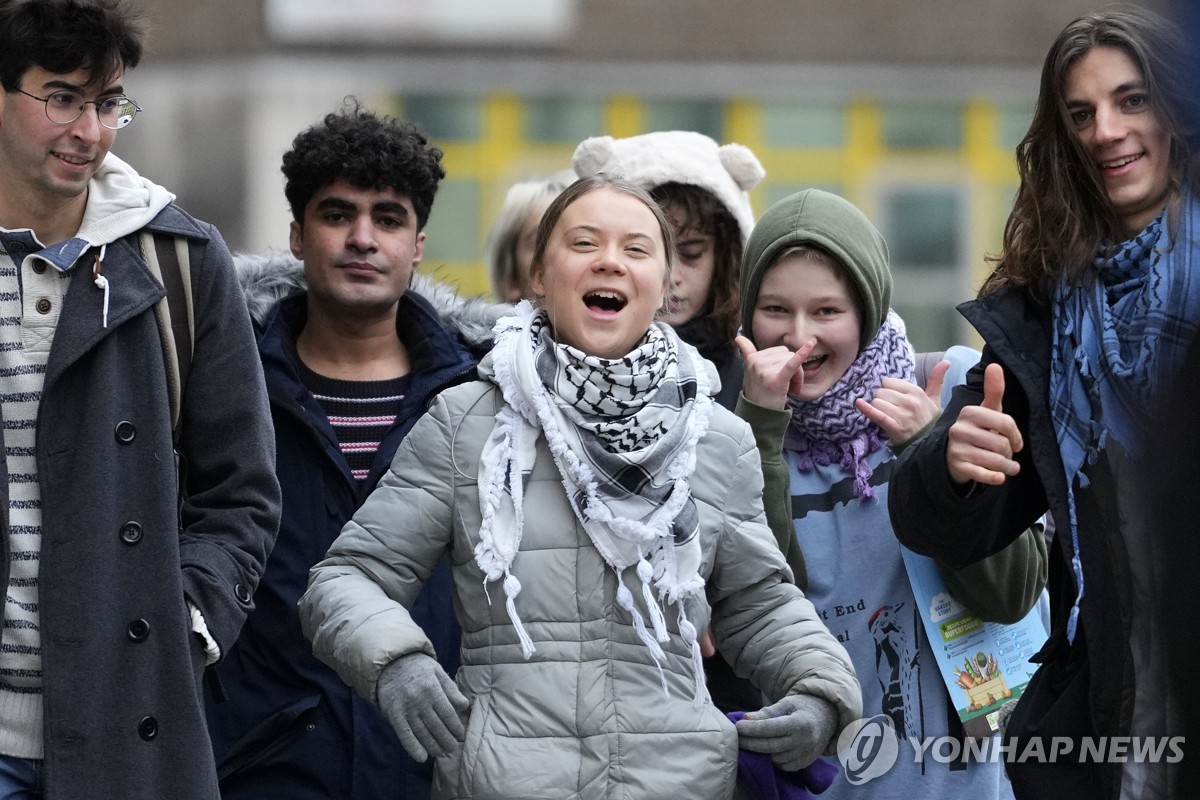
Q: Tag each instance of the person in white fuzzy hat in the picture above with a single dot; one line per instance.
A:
(701, 186)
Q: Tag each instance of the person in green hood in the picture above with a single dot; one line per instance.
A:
(830, 374)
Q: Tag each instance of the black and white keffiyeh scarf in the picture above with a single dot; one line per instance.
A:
(830, 430)
(623, 434)
(1119, 339)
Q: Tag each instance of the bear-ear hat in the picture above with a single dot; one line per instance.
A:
(652, 159)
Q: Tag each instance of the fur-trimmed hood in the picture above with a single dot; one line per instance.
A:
(267, 279)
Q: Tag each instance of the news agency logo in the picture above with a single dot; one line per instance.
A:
(867, 748)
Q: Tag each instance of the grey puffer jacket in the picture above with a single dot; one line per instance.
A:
(586, 715)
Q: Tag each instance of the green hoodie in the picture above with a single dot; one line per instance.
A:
(1002, 587)
(836, 226)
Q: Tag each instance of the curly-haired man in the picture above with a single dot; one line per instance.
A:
(351, 360)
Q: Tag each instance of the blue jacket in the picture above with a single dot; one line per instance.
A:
(291, 727)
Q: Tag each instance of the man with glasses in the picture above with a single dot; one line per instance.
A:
(131, 550)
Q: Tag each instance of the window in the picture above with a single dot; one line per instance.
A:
(445, 118)
(1014, 123)
(803, 126)
(925, 228)
(562, 119)
(702, 116)
(453, 231)
(922, 127)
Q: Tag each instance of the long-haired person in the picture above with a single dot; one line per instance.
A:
(1093, 304)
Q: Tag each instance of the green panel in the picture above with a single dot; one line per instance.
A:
(803, 126)
(922, 126)
(702, 116)
(925, 229)
(930, 328)
(445, 117)
(563, 119)
(453, 231)
(1014, 123)
(777, 190)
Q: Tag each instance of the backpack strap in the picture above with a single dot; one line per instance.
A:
(169, 262)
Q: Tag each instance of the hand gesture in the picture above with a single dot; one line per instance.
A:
(983, 439)
(772, 374)
(423, 705)
(903, 409)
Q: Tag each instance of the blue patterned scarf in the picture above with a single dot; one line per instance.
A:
(830, 430)
(1119, 339)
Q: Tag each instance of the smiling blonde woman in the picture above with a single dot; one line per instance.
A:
(599, 509)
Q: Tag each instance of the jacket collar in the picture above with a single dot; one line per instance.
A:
(1017, 327)
(436, 354)
(131, 290)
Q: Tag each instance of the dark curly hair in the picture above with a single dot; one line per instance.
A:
(1062, 215)
(368, 151)
(61, 36)
(699, 209)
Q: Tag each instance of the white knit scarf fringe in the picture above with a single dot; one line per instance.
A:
(646, 544)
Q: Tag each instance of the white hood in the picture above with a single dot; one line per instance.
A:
(120, 201)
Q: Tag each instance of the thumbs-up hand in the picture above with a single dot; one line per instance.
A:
(983, 438)
(772, 374)
(903, 409)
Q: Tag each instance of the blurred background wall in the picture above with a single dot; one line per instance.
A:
(909, 108)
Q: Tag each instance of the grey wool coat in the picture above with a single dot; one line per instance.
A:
(121, 559)
(586, 715)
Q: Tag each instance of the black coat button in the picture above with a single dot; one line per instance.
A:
(125, 432)
(242, 594)
(138, 630)
(39, 267)
(44, 306)
(148, 728)
(131, 533)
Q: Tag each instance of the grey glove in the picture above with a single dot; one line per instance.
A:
(423, 705)
(793, 731)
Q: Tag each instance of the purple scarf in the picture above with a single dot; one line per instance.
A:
(765, 781)
(830, 430)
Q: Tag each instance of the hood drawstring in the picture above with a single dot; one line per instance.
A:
(101, 281)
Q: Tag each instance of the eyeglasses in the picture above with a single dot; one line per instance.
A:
(65, 107)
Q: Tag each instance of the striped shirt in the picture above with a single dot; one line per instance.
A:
(360, 412)
(28, 321)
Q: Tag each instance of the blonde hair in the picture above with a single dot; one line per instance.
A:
(500, 248)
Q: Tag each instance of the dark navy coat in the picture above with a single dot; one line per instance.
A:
(291, 727)
(121, 559)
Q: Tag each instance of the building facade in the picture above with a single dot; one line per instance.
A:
(910, 110)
